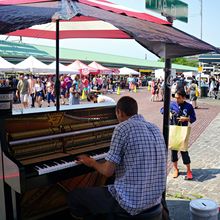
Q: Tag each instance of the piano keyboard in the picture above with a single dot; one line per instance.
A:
(62, 164)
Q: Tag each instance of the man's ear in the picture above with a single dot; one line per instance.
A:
(117, 112)
(122, 115)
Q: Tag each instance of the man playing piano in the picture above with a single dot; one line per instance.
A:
(137, 159)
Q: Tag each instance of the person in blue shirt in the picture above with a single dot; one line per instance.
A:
(137, 159)
(182, 113)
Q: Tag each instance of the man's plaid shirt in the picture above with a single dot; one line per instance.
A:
(139, 152)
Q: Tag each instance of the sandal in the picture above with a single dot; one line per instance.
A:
(176, 173)
(189, 175)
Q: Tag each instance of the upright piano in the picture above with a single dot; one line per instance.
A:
(39, 156)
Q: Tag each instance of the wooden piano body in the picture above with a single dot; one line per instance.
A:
(39, 153)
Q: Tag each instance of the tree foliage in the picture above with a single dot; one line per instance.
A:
(183, 61)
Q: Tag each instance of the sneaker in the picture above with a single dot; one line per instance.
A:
(189, 175)
(176, 173)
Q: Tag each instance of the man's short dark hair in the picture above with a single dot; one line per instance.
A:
(181, 92)
(128, 105)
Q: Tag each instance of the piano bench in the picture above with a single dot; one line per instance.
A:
(154, 213)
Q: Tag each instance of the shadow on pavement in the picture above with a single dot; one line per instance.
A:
(202, 175)
(178, 209)
(202, 108)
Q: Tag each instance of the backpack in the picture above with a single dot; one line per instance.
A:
(180, 84)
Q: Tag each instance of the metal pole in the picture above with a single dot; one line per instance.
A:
(166, 113)
(201, 31)
(57, 83)
(201, 14)
(166, 116)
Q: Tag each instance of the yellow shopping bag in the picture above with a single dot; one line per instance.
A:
(197, 91)
(179, 137)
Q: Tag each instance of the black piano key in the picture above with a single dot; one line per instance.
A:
(50, 163)
(42, 166)
(37, 168)
(69, 159)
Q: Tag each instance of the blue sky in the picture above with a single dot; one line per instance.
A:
(211, 30)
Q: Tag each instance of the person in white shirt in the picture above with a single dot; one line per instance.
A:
(99, 98)
(39, 91)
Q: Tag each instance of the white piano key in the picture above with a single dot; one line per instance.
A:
(64, 165)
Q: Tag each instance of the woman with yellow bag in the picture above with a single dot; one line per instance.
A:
(193, 93)
(182, 113)
(186, 114)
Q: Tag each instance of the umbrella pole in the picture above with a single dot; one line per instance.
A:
(57, 82)
(166, 116)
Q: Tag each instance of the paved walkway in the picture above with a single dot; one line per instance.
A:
(205, 154)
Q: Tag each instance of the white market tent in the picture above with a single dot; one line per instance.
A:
(6, 66)
(31, 64)
(127, 71)
(63, 69)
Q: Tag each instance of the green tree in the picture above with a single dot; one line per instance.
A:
(183, 61)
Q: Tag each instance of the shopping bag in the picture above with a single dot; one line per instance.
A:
(179, 137)
(197, 91)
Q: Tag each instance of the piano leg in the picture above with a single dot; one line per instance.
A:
(16, 201)
(2, 200)
(5, 202)
(5, 193)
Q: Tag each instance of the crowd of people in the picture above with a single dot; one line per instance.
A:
(192, 87)
(214, 87)
(32, 90)
(157, 90)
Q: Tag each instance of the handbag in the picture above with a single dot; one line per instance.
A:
(179, 137)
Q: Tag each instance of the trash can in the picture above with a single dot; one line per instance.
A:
(204, 91)
(203, 209)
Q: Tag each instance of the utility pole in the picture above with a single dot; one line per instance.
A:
(201, 30)
(201, 14)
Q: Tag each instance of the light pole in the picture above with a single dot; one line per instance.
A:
(201, 30)
(201, 14)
